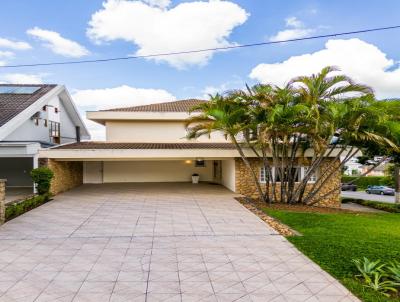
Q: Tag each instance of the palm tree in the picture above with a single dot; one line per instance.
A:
(329, 114)
(227, 115)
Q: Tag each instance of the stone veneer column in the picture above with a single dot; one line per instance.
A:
(2, 201)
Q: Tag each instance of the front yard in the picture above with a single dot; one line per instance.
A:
(333, 239)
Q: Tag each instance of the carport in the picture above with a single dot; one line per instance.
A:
(105, 162)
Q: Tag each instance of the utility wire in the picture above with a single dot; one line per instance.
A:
(201, 50)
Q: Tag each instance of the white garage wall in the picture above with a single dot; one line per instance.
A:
(155, 171)
(228, 174)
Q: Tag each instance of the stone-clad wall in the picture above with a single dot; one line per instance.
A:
(67, 174)
(2, 201)
(246, 186)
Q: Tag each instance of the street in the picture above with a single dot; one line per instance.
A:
(365, 196)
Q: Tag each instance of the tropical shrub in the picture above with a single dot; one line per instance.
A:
(381, 277)
(394, 269)
(379, 283)
(368, 268)
(42, 178)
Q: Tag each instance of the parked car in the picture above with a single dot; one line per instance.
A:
(382, 190)
(348, 187)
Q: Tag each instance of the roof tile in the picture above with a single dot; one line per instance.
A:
(176, 106)
(12, 104)
(111, 145)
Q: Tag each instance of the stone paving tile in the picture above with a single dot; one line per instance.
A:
(153, 242)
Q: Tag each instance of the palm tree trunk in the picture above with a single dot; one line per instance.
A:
(248, 165)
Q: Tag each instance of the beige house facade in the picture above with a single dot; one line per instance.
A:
(148, 144)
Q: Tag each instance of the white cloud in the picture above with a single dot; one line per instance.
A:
(16, 45)
(235, 83)
(21, 78)
(293, 22)
(362, 61)
(6, 54)
(58, 44)
(158, 3)
(295, 30)
(121, 96)
(187, 26)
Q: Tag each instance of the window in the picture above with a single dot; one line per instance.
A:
(200, 163)
(297, 172)
(19, 89)
(55, 132)
(313, 177)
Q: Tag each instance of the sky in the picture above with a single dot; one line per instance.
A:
(48, 31)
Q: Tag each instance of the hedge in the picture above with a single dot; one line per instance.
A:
(365, 181)
(15, 209)
(387, 207)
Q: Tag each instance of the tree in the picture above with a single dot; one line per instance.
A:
(392, 107)
(328, 114)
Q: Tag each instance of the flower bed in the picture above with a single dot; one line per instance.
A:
(18, 208)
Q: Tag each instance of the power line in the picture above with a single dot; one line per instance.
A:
(201, 50)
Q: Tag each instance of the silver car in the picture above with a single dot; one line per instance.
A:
(381, 190)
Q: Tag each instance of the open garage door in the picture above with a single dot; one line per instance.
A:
(156, 171)
(17, 171)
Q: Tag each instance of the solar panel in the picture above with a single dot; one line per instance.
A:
(18, 89)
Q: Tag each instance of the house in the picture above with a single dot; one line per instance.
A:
(148, 144)
(33, 117)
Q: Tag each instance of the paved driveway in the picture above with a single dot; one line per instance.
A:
(153, 242)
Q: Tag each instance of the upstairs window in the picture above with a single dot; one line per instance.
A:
(55, 135)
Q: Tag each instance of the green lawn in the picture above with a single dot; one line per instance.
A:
(333, 240)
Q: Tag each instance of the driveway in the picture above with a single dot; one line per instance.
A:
(153, 242)
(365, 196)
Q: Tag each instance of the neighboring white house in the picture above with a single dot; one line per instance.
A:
(148, 144)
(353, 167)
(32, 117)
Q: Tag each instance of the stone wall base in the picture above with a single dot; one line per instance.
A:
(67, 174)
(245, 184)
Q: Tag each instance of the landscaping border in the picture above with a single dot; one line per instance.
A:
(383, 206)
(18, 208)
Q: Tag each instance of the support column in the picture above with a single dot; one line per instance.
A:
(2, 201)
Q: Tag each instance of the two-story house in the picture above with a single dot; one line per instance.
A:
(148, 144)
(32, 117)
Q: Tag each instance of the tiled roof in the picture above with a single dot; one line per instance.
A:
(177, 106)
(12, 104)
(175, 146)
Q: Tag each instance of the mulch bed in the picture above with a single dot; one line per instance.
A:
(256, 207)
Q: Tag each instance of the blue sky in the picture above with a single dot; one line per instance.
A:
(76, 29)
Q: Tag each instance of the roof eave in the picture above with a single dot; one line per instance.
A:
(102, 116)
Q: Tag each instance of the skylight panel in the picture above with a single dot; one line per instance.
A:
(18, 89)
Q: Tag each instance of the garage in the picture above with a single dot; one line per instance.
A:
(151, 171)
(17, 171)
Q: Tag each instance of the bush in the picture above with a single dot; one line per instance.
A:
(42, 178)
(15, 209)
(387, 207)
(379, 277)
(364, 181)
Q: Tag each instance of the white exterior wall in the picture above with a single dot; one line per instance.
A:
(29, 131)
(152, 131)
(228, 174)
(155, 171)
(67, 127)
